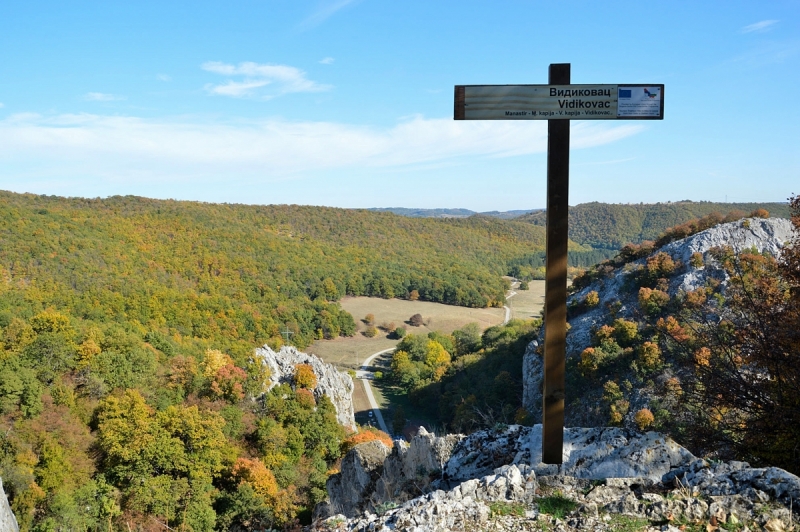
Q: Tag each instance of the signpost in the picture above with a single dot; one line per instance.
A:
(558, 103)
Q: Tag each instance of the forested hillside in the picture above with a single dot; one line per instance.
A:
(127, 331)
(242, 272)
(612, 225)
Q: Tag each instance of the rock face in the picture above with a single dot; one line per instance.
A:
(8, 523)
(768, 235)
(351, 491)
(338, 386)
(607, 473)
(364, 484)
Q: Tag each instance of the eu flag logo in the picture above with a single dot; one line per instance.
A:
(624, 93)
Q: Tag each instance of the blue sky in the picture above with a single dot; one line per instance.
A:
(349, 103)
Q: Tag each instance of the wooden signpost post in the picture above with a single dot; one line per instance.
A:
(558, 103)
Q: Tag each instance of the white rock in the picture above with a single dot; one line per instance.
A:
(337, 385)
(8, 523)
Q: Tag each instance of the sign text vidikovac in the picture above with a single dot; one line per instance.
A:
(553, 102)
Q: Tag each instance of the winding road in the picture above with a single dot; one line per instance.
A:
(366, 375)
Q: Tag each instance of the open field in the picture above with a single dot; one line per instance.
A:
(350, 352)
(527, 304)
(438, 317)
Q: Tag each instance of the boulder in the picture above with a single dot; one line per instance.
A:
(610, 452)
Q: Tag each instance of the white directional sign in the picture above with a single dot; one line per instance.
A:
(566, 102)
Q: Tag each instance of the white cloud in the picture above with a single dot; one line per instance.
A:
(164, 77)
(2, 105)
(325, 10)
(327, 61)
(101, 97)
(283, 79)
(764, 25)
(131, 150)
(238, 90)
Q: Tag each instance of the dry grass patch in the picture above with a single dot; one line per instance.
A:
(351, 352)
(527, 304)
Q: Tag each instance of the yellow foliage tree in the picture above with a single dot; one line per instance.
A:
(304, 377)
(215, 359)
(643, 418)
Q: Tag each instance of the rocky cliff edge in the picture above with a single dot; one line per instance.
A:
(610, 479)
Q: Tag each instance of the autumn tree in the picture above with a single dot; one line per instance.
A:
(304, 376)
(745, 353)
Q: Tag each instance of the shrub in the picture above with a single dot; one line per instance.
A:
(625, 332)
(652, 301)
(370, 332)
(673, 387)
(590, 359)
(400, 332)
(592, 299)
(415, 320)
(702, 357)
(611, 391)
(606, 332)
(617, 411)
(414, 295)
(695, 298)
(305, 398)
(759, 213)
(672, 329)
(658, 266)
(696, 260)
(369, 319)
(524, 285)
(650, 355)
(643, 418)
(389, 327)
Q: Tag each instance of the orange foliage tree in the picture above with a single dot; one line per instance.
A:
(366, 434)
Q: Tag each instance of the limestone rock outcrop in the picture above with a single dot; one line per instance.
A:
(351, 491)
(404, 472)
(8, 523)
(610, 478)
(764, 235)
(338, 386)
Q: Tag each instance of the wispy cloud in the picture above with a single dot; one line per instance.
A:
(102, 97)
(767, 53)
(327, 61)
(325, 10)
(2, 105)
(164, 77)
(764, 25)
(283, 79)
(131, 150)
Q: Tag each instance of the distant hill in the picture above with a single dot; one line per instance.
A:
(612, 225)
(450, 213)
(197, 269)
